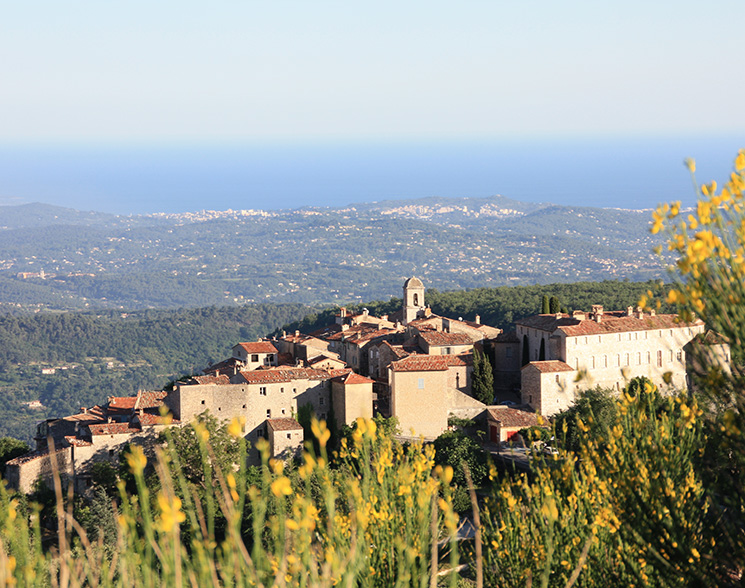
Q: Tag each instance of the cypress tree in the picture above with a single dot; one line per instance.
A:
(554, 305)
(482, 385)
(545, 306)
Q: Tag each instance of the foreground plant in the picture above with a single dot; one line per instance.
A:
(373, 520)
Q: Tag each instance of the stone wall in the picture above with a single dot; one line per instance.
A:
(418, 400)
(351, 401)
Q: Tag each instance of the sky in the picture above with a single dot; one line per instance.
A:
(323, 71)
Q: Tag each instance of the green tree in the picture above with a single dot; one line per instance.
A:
(545, 305)
(11, 448)
(482, 382)
(554, 305)
(455, 449)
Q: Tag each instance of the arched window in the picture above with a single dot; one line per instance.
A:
(416, 299)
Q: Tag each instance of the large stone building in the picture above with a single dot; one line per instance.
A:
(563, 354)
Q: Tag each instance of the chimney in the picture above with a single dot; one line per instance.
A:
(84, 410)
(365, 312)
(342, 312)
(597, 312)
(629, 311)
(652, 312)
(345, 327)
(384, 317)
(477, 320)
(639, 312)
(297, 333)
(284, 334)
(578, 314)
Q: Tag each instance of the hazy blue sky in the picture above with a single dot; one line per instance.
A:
(108, 70)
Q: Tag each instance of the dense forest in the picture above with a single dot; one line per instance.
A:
(96, 355)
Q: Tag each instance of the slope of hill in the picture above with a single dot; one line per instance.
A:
(312, 255)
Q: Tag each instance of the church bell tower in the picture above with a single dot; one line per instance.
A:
(413, 299)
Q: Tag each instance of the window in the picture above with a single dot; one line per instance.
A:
(420, 383)
(680, 356)
(289, 435)
(260, 432)
(649, 357)
(202, 401)
(557, 378)
(268, 413)
(672, 354)
(639, 358)
(294, 390)
(618, 360)
(262, 390)
(282, 390)
(255, 357)
(447, 351)
(627, 360)
(600, 339)
(586, 340)
(659, 358)
(321, 401)
(619, 336)
(508, 352)
(605, 361)
(593, 362)
(283, 411)
(244, 406)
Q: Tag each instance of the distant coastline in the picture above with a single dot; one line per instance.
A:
(618, 173)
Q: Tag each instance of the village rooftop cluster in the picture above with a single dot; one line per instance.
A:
(413, 365)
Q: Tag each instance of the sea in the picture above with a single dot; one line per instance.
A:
(611, 172)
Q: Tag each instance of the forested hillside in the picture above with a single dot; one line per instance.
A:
(99, 355)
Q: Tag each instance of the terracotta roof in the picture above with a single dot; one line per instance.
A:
(224, 367)
(610, 322)
(111, 428)
(150, 399)
(287, 375)
(353, 378)
(320, 358)
(421, 363)
(459, 360)
(439, 338)
(512, 417)
(93, 415)
(125, 402)
(257, 347)
(154, 419)
(362, 337)
(398, 350)
(32, 455)
(216, 379)
(75, 442)
(550, 366)
(285, 424)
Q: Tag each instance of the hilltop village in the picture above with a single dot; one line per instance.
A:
(413, 365)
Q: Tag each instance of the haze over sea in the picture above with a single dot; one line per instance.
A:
(619, 172)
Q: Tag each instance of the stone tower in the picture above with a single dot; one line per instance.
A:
(413, 299)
